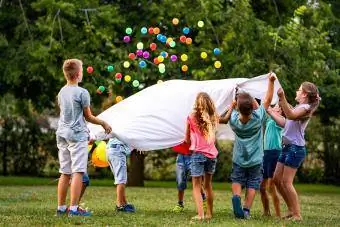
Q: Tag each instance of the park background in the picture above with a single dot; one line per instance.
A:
(298, 40)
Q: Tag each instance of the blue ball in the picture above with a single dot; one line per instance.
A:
(163, 53)
(159, 37)
(144, 30)
(163, 39)
(217, 51)
(142, 64)
(186, 30)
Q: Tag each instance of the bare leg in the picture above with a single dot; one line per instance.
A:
(197, 185)
(250, 195)
(264, 197)
(210, 195)
(63, 184)
(288, 178)
(236, 189)
(121, 199)
(76, 185)
(278, 181)
(275, 197)
(82, 192)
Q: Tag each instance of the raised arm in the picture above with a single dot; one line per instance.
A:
(270, 91)
(280, 120)
(226, 118)
(291, 114)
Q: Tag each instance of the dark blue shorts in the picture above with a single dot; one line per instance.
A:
(292, 155)
(201, 164)
(269, 162)
(248, 177)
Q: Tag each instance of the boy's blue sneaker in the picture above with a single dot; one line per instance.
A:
(79, 212)
(129, 208)
(61, 212)
(246, 213)
(237, 208)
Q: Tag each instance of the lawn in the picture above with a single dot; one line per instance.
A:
(33, 203)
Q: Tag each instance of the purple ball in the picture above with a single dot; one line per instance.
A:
(173, 57)
(139, 53)
(146, 54)
(126, 39)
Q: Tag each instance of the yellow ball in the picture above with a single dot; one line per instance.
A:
(99, 157)
(140, 46)
(184, 68)
(127, 78)
(204, 55)
(126, 64)
(159, 81)
(160, 58)
(184, 57)
(200, 24)
(169, 40)
(119, 98)
(175, 21)
(217, 64)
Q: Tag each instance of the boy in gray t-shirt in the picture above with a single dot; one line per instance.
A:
(72, 137)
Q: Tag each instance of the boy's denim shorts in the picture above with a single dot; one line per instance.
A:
(201, 164)
(117, 160)
(269, 162)
(182, 171)
(86, 179)
(248, 177)
(292, 155)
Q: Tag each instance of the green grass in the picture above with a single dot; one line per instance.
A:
(32, 202)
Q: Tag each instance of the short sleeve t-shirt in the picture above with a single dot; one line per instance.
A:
(248, 144)
(272, 135)
(72, 125)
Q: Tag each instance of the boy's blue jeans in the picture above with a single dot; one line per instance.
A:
(182, 171)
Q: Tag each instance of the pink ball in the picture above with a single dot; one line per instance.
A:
(139, 53)
(173, 57)
(146, 54)
(126, 39)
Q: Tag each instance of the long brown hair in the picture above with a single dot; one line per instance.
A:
(205, 115)
(312, 95)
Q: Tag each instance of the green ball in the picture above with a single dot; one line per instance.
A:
(135, 83)
(110, 68)
(128, 31)
(101, 88)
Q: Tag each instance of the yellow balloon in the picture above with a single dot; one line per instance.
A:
(184, 68)
(217, 64)
(160, 58)
(175, 21)
(99, 158)
(184, 57)
(127, 78)
(204, 55)
(119, 98)
(126, 64)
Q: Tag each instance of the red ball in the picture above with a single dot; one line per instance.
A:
(118, 76)
(153, 46)
(182, 38)
(89, 69)
(132, 56)
(156, 61)
(150, 30)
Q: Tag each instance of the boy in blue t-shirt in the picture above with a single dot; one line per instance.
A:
(272, 150)
(247, 123)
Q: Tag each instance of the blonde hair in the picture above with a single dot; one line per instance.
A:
(205, 115)
(312, 96)
(71, 67)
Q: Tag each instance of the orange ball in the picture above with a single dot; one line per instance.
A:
(184, 68)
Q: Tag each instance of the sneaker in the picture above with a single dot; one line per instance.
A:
(128, 208)
(80, 212)
(238, 211)
(178, 208)
(246, 214)
(61, 212)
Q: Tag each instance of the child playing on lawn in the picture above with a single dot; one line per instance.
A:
(293, 148)
(72, 137)
(247, 123)
(200, 134)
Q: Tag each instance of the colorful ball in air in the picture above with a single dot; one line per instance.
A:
(100, 89)
(89, 69)
(126, 39)
(217, 51)
(142, 64)
(150, 30)
(118, 76)
(159, 81)
(184, 68)
(146, 54)
(153, 46)
(126, 64)
(99, 157)
(155, 60)
(184, 57)
(144, 30)
(188, 41)
(135, 83)
(163, 39)
(119, 98)
(132, 56)
(127, 78)
(128, 30)
(156, 30)
(161, 70)
(172, 44)
(160, 58)
(139, 53)
(204, 55)
(140, 45)
(217, 64)
(173, 58)
(182, 38)
(186, 30)
(110, 68)
(200, 24)
(175, 21)
(164, 54)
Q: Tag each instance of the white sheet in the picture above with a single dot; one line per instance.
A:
(155, 117)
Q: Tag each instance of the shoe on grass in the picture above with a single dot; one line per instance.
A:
(79, 212)
(61, 212)
(128, 208)
(237, 208)
(178, 208)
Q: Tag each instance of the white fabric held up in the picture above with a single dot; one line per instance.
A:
(155, 118)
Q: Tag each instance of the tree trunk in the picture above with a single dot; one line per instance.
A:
(136, 169)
